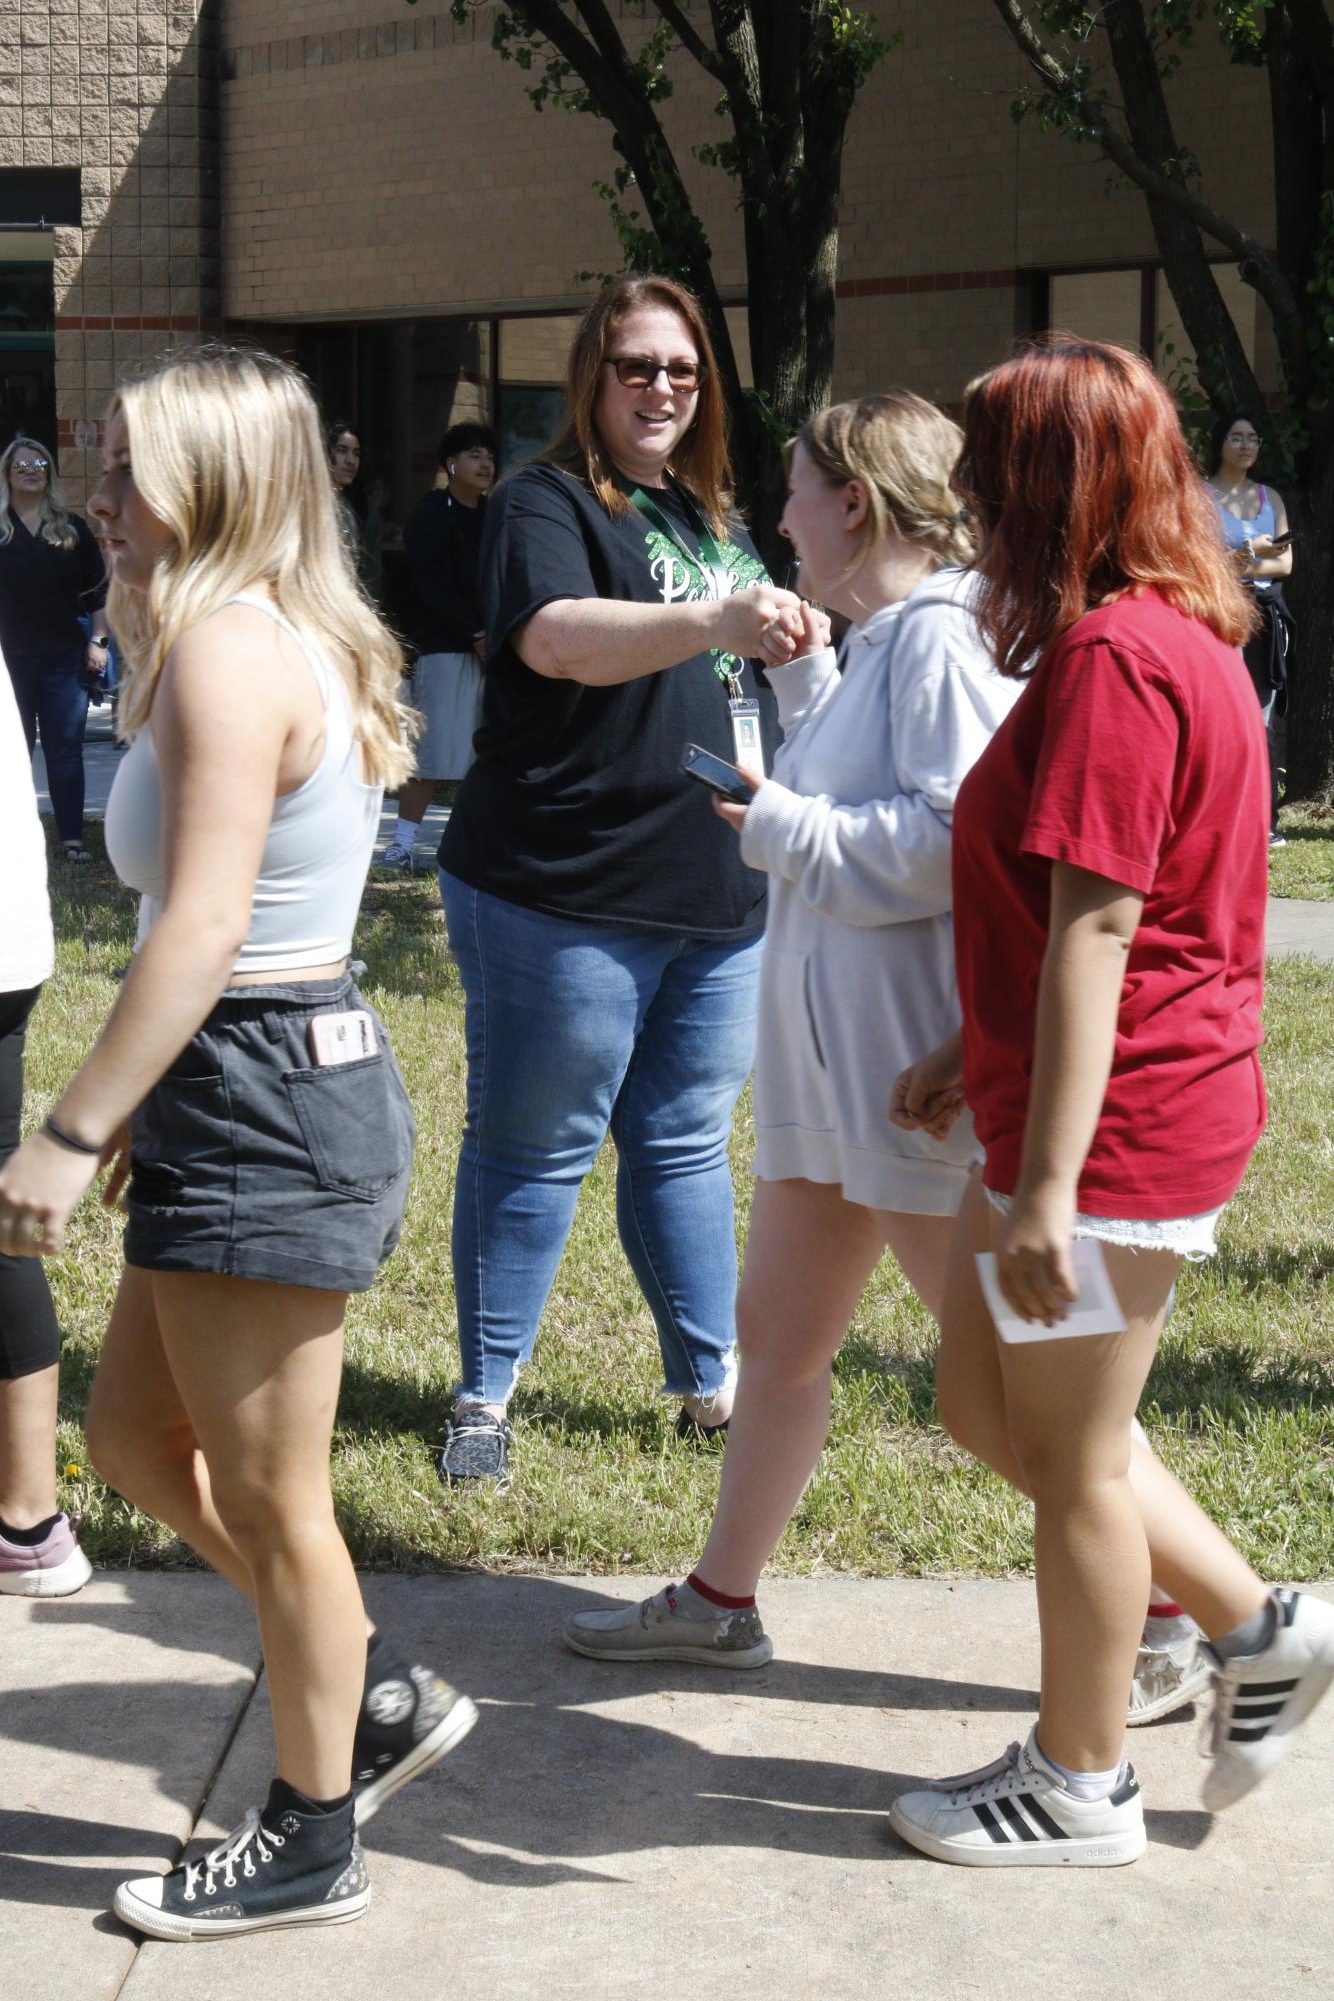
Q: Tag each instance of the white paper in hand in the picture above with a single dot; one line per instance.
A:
(1095, 1310)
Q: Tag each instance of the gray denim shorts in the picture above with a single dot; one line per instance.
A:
(248, 1159)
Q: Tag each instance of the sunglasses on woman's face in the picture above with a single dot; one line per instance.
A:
(638, 371)
(28, 465)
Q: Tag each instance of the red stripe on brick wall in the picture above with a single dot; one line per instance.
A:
(135, 323)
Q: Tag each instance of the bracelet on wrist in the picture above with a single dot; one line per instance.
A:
(68, 1140)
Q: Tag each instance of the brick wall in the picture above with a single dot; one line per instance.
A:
(126, 90)
(380, 159)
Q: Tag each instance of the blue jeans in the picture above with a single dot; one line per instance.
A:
(52, 695)
(575, 1030)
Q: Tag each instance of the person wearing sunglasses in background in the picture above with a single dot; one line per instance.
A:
(51, 576)
(1255, 531)
(607, 931)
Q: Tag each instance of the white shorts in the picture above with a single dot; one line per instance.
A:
(1191, 1237)
(447, 689)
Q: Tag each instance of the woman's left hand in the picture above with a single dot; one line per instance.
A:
(1033, 1264)
(39, 1188)
(724, 808)
(95, 659)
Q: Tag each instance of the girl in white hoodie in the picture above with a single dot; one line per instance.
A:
(853, 830)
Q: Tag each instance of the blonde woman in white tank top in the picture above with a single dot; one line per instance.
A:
(244, 1095)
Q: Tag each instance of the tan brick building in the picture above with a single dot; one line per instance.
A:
(364, 184)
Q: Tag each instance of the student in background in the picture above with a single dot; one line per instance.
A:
(39, 1556)
(442, 548)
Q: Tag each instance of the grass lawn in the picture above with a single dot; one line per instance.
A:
(1241, 1401)
(1305, 867)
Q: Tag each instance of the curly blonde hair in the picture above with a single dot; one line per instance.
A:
(228, 451)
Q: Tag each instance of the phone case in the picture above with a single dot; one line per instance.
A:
(341, 1038)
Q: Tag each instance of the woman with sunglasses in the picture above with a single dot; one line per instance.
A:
(606, 929)
(51, 576)
(1256, 535)
(853, 831)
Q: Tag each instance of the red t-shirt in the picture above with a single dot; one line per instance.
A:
(1137, 752)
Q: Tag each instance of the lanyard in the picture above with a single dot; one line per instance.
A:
(710, 558)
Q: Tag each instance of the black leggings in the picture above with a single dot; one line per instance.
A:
(29, 1336)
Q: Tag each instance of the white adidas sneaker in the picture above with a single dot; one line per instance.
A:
(1018, 1812)
(1260, 1699)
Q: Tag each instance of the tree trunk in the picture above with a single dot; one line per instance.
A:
(1310, 758)
(1220, 359)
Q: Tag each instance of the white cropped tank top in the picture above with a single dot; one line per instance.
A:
(321, 836)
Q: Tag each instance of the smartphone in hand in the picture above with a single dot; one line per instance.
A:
(717, 774)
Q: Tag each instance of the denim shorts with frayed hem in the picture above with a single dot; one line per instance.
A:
(249, 1159)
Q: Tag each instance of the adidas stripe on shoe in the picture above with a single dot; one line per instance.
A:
(1017, 1812)
(1260, 1699)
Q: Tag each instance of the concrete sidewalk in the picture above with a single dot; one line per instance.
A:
(598, 1817)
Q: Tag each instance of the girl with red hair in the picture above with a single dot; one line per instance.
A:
(1109, 902)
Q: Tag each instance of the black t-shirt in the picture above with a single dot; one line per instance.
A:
(442, 542)
(44, 589)
(576, 803)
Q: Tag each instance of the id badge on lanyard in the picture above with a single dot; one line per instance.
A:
(747, 742)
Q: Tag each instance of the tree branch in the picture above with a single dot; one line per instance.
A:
(1262, 273)
(691, 41)
(733, 31)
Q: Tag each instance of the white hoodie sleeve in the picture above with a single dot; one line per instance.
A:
(887, 861)
(802, 689)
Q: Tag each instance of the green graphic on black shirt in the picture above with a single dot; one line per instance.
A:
(683, 579)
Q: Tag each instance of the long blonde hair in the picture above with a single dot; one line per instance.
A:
(55, 525)
(227, 450)
(903, 450)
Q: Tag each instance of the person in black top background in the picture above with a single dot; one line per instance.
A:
(51, 575)
(357, 512)
(442, 546)
(606, 934)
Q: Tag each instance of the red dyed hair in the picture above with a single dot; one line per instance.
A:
(1076, 470)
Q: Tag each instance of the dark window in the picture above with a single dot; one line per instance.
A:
(40, 198)
(27, 351)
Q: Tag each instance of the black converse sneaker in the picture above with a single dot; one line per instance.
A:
(410, 1718)
(1017, 1811)
(281, 1866)
(1259, 1699)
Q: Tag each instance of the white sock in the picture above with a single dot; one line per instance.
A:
(1083, 1785)
(406, 832)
